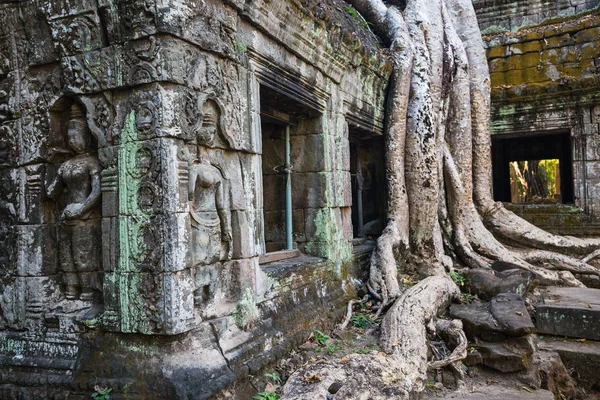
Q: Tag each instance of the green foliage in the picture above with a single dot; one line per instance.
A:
(270, 388)
(320, 337)
(467, 298)
(332, 348)
(241, 47)
(276, 378)
(357, 17)
(101, 393)
(408, 280)
(363, 321)
(368, 349)
(264, 395)
(458, 278)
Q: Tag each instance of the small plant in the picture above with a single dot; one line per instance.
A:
(276, 378)
(270, 388)
(363, 321)
(368, 349)
(332, 348)
(101, 393)
(408, 280)
(357, 17)
(458, 278)
(320, 337)
(467, 298)
(241, 47)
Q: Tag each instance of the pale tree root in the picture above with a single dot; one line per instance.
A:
(348, 317)
(402, 372)
(452, 331)
(404, 327)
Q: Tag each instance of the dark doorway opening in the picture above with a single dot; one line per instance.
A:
(533, 169)
(367, 168)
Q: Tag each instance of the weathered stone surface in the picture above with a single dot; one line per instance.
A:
(504, 357)
(476, 318)
(488, 283)
(572, 312)
(582, 357)
(505, 315)
(133, 200)
(511, 314)
(495, 392)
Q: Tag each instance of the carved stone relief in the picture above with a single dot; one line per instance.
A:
(210, 214)
(76, 185)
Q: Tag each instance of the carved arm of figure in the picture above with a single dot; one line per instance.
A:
(56, 185)
(225, 217)
(9, 207)
(77, 210)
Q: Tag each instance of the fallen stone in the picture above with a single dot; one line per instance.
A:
(476, 318)
(583, 358)
(512, 316)
(500, 266)
(572, 312)
(548, 372)
(505, 316)
(481, 282)
(487, 283)
(503, 358)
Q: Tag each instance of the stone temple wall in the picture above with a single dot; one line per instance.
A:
(510, 15)
(545, 80)
(132, 197)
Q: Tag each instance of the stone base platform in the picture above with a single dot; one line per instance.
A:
(572, 312)
(582, 357)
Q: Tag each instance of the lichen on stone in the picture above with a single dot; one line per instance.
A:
(246, 311)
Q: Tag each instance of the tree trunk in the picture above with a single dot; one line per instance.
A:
(438, 166)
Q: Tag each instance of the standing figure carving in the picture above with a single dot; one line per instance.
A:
(77, 185)
(210, 216)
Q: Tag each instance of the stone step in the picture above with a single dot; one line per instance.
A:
(496, 392)
(572, 312)
(583, 357)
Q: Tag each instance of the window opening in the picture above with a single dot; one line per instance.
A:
(533, 169)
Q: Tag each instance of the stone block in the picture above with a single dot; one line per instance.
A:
(314, 189)
(275, 226)
(502, 358)
(509, 310)
(274, 192)
(506, 315)
(177, 236)
(346, 213)
(487, 284)
(149, 303)
(178, 302)
(583, 358)
(243, 234)
(110, 243)
(37, 250)
(571, 312)
(298, 227)
(309, 153)
(209, 25)
(38, 46)
(342, 189)
(76, 33)
(130, 20)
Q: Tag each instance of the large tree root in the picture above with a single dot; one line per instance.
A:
(438, 166)
(402, 372)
